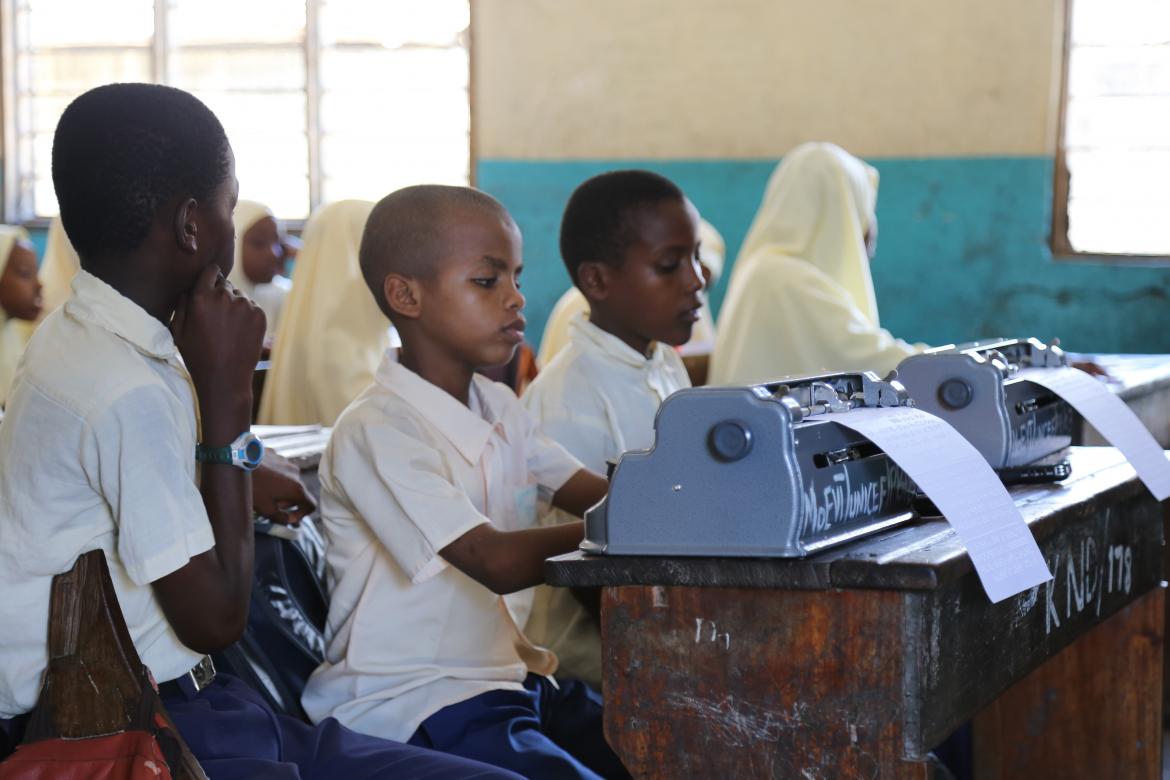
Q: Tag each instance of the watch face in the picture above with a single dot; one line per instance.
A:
(254, 451)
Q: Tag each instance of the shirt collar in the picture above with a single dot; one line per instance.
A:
(96, 302)
(467, 431)
(591, 338)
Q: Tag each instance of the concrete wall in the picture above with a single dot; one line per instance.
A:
(954, 102)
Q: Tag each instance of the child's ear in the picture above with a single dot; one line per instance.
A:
(403, 295)
(184, 227)
(593, 280)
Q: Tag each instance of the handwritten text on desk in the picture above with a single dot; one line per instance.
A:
(965, 489)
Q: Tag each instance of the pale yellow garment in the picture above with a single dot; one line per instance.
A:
(270, 296)
(13, 333)
(58, 268)
(332, 335)
(556, 329)
(801, 296)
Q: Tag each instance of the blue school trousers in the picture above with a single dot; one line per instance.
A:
(545, 732)
(237, 736)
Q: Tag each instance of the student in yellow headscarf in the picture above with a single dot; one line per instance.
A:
(711, 251)
(801, 296)
(58, 267)
(260, 261)
(331, 335)
(20, 300)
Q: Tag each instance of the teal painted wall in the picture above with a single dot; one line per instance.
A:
(962, 251)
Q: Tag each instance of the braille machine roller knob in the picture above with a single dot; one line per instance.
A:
(954, 394)
(730, 440)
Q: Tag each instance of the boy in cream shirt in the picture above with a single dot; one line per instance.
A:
(429, 493)
(630, 240)
(145, 371)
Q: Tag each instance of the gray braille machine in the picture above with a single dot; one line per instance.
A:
(757, 471)
(974, 387)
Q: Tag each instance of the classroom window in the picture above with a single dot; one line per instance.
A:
(1114, 158)
(322, 99)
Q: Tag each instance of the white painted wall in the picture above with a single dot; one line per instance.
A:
(580, 79)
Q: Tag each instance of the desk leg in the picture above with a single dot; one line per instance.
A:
(753, 683)
(1093, 710)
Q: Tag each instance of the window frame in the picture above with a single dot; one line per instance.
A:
(159, 73)
(1058, 242)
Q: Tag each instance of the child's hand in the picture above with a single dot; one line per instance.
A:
(218, 332)
(278, 493)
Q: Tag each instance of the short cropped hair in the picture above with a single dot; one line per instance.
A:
(598, 224)
(406, 230)
(121, 151)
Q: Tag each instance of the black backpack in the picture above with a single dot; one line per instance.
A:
(285, 637)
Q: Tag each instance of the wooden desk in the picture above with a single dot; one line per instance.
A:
(1145, 386)
(857, 662)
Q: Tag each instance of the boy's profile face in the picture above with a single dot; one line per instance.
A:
(654, 294)
(20, 288)
(260, 251)
(216, 231)
(472, 304)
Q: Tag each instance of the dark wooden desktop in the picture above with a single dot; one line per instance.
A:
(857, 662)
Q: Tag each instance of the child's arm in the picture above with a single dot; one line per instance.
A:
(582, 491)
(218, 332)
(508, 561)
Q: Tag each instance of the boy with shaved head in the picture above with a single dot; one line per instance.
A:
(429, 493)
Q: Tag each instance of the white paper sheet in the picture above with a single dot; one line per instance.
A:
(958, 480)
(1112, 419)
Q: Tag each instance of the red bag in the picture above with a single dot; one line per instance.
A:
(98, 715)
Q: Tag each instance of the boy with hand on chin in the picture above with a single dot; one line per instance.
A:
(429, 494)
(144, 371)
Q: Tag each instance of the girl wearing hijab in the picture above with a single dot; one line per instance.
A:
(259, 261)
(801, 298)
(711, 251)
(332, 334)
(58, 267)
(20, 300)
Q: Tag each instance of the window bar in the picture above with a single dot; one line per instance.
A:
(313, 100)
(8, 113)
(158, 60)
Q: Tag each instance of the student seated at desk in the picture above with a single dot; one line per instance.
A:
(101, 439)
(332, 335)
(429, 491)
(630, 241)
(20, 301)
(572, 303)
(801, 296)
(259, 265)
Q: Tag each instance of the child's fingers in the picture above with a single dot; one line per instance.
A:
(180, 315)
(208, 279)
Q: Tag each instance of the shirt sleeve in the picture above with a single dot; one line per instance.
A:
(584, 435)
(146, 472)
(405, 491)
(549, 463)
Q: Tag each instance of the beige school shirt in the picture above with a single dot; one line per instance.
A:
(409, 470)
(598, 398)
(98, 452)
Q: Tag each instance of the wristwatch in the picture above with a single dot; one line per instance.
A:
(245, 452)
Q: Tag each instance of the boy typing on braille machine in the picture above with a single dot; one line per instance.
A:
(147, 368)
(630, 241)
(429, 495)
